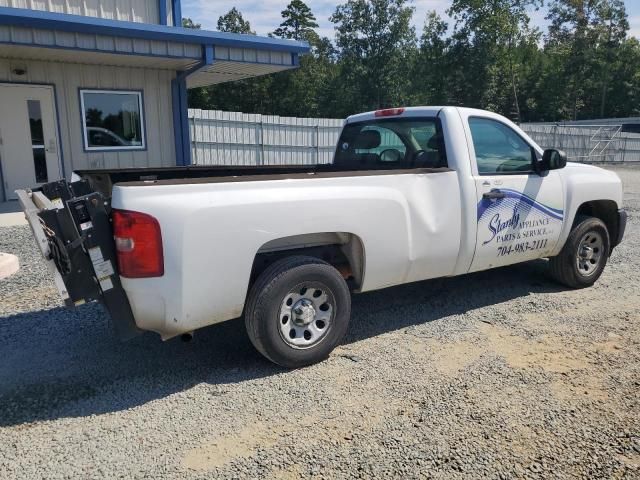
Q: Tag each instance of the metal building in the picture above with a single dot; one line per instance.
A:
(103, 83)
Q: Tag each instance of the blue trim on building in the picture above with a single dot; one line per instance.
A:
(100, 26)
(162, 12)
(177, 127)
(176, 9)
(180, 120)
(179, 101)
(184, 122)
(209, 54)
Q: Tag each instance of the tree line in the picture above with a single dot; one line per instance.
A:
(488, 55)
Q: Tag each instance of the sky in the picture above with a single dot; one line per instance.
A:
(264, 15)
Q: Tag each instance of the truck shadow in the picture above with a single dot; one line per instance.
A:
(59, 363)
(418, 303)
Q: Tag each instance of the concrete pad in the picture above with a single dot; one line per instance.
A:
(8, 265)
(11, 214)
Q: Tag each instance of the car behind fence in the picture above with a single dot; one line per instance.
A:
(233, 138)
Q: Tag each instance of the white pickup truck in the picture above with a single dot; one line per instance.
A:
(412, 194)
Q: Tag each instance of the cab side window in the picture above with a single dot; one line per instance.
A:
(499, 149)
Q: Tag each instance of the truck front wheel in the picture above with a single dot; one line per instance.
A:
(584, 255)
(298, 311)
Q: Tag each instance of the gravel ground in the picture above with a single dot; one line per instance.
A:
(499, 374)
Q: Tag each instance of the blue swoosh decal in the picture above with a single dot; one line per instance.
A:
(485, 205)
(517, 194)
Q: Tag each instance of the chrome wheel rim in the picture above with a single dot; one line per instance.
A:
(590, 252)
(306, 315)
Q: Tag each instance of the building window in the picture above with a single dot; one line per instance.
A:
(112, 120)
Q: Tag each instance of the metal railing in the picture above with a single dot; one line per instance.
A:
(588, 143)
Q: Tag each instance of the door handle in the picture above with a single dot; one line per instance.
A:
(52, 147)
(494, 194)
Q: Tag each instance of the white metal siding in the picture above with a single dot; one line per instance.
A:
(232, 138)
(143, 11)
(170, 14)
(252, 55)
(102, 43)
(69, 78)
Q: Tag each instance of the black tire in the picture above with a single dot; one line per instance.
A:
(565, 266)
(262, 314)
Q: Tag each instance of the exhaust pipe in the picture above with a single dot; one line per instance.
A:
(186, 337)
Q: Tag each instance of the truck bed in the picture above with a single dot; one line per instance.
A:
(71, 221)
(103, 180)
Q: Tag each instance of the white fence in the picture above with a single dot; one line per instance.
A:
(584, 142)
(232, 138)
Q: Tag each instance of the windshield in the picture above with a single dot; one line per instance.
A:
(391, 143)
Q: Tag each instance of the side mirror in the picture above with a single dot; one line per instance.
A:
(552, 159)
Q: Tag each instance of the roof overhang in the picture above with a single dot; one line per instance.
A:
(227, 64)
(203, 57)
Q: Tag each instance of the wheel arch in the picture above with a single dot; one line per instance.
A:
(344, 250)
(605, 210)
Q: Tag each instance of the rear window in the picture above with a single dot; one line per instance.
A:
(391, 143)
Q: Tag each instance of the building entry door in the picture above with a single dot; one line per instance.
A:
(29, 147)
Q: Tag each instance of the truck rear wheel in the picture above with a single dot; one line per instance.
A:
(584, 255)
(298, 311)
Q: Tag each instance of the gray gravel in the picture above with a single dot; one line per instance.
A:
(499, 374)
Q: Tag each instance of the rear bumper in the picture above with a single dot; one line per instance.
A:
(622, 226)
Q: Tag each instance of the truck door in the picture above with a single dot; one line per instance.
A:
(519, 212)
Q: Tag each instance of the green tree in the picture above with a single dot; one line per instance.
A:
(623, 98)
(375, 42)
(306, 91)
(492, 58)
(234, 22)
(612, 32)
(494, 30)
(188, 23)
(431, 73)
(585, 35)
(299, 22)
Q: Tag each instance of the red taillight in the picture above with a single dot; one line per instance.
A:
(389, 112)
(138, 244)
